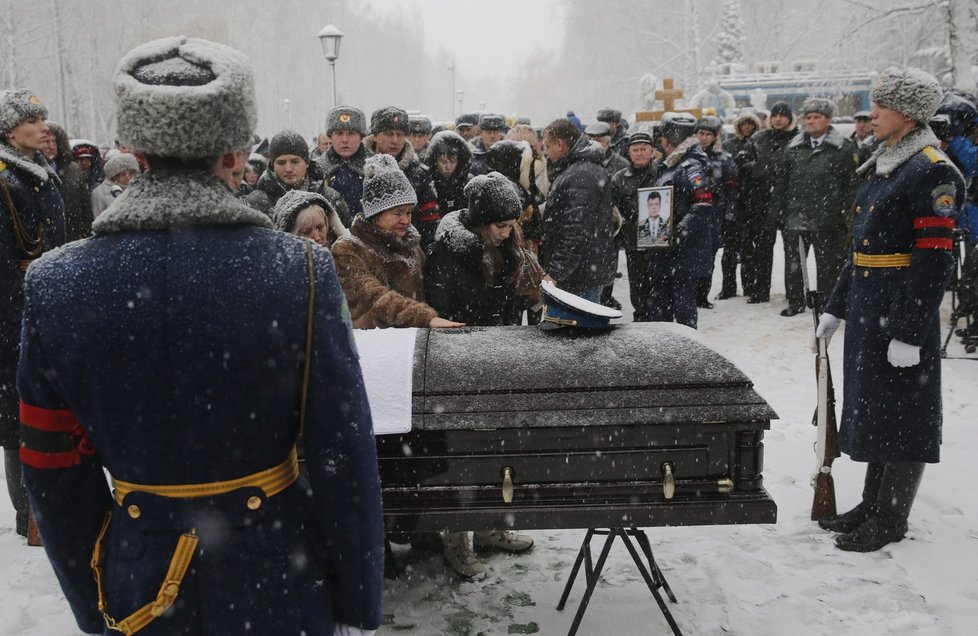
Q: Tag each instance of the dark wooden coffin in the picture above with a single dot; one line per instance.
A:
(518, 428)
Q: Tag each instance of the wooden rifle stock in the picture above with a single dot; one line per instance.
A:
(823, 504)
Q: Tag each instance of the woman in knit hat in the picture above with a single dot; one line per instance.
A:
(309, 215)
(889, 293)
(381, 264)
(120, 170)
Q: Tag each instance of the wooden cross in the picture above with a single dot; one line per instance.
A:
(668, 95)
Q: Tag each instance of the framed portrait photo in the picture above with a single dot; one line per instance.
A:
(655, 227)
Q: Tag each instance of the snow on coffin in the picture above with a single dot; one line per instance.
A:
(639, 425)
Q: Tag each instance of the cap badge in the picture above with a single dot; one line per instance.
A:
(345, 118)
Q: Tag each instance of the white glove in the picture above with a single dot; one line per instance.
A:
(901, 354)
(827, 324)
(339, 629)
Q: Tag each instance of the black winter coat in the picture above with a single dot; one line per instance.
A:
(455, 275)
(270, 189)
(34, 193)
(577, 249)
(449, 190)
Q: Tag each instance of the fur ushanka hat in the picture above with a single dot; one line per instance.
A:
(385, 186)
(910, 91)
(16, 105)
(185, 97)
(492, 199)
(818, 105)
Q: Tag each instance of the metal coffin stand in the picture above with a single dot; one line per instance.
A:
(636, 426)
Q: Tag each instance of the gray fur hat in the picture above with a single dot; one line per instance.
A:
(292, 202)
(910, 91)
(385, 186)
(818, 105)
(16, 105)
(388, 118)
(119, 164)
(492, 199)
(185, 97)
(609, 115)
(419, 125)
(346, 118)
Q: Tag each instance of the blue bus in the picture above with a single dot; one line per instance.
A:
(848, 89)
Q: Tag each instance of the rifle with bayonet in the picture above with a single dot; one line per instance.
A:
(827, 435)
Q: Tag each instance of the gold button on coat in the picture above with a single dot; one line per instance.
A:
(134, 511)
(866, 274)
(865, 241)
(254, 503)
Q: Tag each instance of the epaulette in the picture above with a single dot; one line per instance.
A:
(3, 166)
(935, 155)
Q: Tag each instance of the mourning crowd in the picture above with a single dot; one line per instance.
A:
(425, 226)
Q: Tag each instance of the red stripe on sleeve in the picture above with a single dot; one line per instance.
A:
(36, 459)
(933, 221)
(933, 244)
(51, 420)
(430, 205)
(702, 196)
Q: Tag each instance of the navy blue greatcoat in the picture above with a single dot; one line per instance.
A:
(168, 349)
(904, 207)
(33, 190)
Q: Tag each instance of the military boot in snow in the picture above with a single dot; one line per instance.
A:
(849, 521)
(888, 521)
(458, 553)
(504, 540)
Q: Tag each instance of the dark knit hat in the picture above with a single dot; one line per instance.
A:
(346, 118)
(388, 118)
(16, 105)
(609, 115)
(385, 186)
(419, 125)
(466, 120)
(121, 163)
(910, 91)
(492, 199)
(640, 138)
(492, 122)
(507, 156)
(818, 105)
(781, 108)
(292, 202)
(287, 142)
(185, 97)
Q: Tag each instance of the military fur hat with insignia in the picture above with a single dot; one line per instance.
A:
(910, 91)
(609, 115)
(346, 118)
(418, 125)
(818, 105)
(16, 105)
(493, 122)
(185, 97)
(466, 119)
(388, 118)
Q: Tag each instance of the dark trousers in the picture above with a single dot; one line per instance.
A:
(728, 265)
(637, 263)
(673, 298)
(830, 255)
(757, 257)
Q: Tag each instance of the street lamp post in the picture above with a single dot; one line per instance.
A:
(460, 94)
(330, 38)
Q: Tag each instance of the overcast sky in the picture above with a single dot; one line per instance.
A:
(487, 36)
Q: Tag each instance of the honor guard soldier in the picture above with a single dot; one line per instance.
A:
(31, 222)
(181, 349)
(889, 293)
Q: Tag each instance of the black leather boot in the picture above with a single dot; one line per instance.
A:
(15, 488)
(849, 521)
(888, 521)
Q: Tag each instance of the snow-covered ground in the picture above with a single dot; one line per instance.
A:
(782, 579)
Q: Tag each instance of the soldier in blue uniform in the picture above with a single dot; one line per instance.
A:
(181, 349)
(675, 272)
(889, 294)
(31, 222)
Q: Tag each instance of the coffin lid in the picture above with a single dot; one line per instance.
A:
(512, 377)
